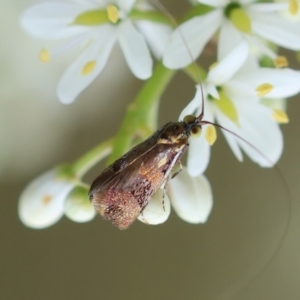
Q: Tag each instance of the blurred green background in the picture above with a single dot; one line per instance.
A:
(175, 260)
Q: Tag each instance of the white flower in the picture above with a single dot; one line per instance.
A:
(48, 197)
(78, 207)
(96, 25)
(292, 11)
(237, 21)
(191, 198)
(41, 204)
(233, 90)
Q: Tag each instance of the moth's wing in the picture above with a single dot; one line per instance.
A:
(121, 196)
(121, 191)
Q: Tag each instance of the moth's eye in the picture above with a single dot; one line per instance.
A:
(189, 119)
(196, 131)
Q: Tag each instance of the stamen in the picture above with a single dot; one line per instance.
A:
(240, 20)
(210, 134)
(281, 62)
(47, 199)
(280, 116)
(44, 55)
(113, 13)
(264, 89)
(88, 67)
(293, 7)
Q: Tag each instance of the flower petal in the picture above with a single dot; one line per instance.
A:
(51, 20)
(198, 156)
(73, 81)
(258, 128)
(135, 50)
(156, 36)
(78, 207)
(229, 38)
(126, 5)
(158, 209)
(41, 204)
(194, 104)
(274, 28)
(285, 82)
(212, 90)
(199, 149)
(188, 40)
(191, 197)
(266, 7)
(229, 65)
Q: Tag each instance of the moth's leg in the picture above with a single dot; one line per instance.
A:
(172, 176)
(177, 172)
(163, 198)
(142, 215)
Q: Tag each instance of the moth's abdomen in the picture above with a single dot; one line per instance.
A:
(119, 206)
(122, 204)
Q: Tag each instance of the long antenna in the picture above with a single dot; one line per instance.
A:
(175, 24)
(246, 279)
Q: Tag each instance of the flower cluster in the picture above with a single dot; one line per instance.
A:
(95, 26)
(245, 91)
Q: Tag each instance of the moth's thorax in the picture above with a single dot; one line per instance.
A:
(174, 133)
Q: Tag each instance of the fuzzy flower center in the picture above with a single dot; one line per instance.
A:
(238, 17)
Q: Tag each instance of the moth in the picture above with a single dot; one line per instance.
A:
(123, 190)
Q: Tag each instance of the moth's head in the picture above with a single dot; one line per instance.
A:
(192, 126)
(173, 133)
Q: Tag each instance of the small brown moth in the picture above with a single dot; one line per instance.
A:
(122, 191)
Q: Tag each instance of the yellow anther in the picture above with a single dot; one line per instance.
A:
(281, 62)
(210, 134)
(44, 55)
(280, 116)
(240, 20)
(88, 68)
(264, 89)
(293, 7)
(113, 13)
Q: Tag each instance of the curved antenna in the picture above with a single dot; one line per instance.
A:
(175, 24)
(244, 280)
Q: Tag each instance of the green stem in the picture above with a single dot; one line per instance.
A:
(91, 158)
(142, 113)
